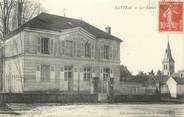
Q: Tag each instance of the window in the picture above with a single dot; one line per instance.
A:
(87, 50)
(106, 52)
(68, 73)
(106, 73)
(68, 50)
(78, 49)
(52, 68)
(45, 45)
(45, 72)
(87, 73)
(171, 67)
(38, 68)
(165, 67)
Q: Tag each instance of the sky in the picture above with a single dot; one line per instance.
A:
(143, 46)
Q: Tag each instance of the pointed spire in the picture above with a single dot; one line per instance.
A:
(168, 54)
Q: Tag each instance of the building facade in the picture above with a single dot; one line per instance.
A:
(54, 53)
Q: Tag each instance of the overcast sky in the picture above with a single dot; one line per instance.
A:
(144, 47)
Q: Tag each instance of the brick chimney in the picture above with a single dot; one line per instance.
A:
(108, 30)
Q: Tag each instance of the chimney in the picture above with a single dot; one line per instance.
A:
(108, 30)
(19, 14)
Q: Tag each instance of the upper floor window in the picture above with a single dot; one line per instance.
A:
(68, 48)
(79, 46)
(45, 45)
(106, 52)
(88, 50)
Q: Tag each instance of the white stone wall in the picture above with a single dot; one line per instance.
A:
(13, 77)
(32, 58)
(13, 80)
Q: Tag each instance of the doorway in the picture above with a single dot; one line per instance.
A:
(69, 77)
(95, 85)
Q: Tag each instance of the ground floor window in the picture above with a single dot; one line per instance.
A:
(67, 73)
(87, 73)
(106, 73)
(45, 72)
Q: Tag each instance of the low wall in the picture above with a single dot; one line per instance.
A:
(136, 98)
(44, 98)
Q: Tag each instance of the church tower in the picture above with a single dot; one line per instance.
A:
(168, 62)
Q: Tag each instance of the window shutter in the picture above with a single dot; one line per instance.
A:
(60, 48)
(76, 77)
(110, 53)
(93, 72)
(38, 45)
(114, 53)
(101, 72)
(82, 49)
(102, 52)
(92, 51)
(51, 47)
(52, 73)
(63, 47)
(111, 73)
(61, 73)
(74, 48)
(81, 74)
(38, 73)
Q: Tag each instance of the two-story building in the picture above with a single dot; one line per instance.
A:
(55, 53)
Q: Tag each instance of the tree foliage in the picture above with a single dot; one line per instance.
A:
(124, 73)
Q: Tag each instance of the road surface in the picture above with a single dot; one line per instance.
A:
(94, 110)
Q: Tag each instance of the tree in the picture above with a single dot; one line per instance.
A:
(159, 73)
(151, 73)
(9, 12)
(6, 7)
(124, 73)
(30, 9)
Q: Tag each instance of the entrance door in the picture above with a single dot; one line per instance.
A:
(110, 87)
(95, 85)
(69, 77)
(70, 81)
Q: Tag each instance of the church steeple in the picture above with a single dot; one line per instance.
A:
(168, 62)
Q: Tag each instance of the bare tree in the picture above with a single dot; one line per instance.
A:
(30, 9)
(9, 10)
(6, 7)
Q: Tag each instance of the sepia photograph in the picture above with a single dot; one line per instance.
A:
(91, 58)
